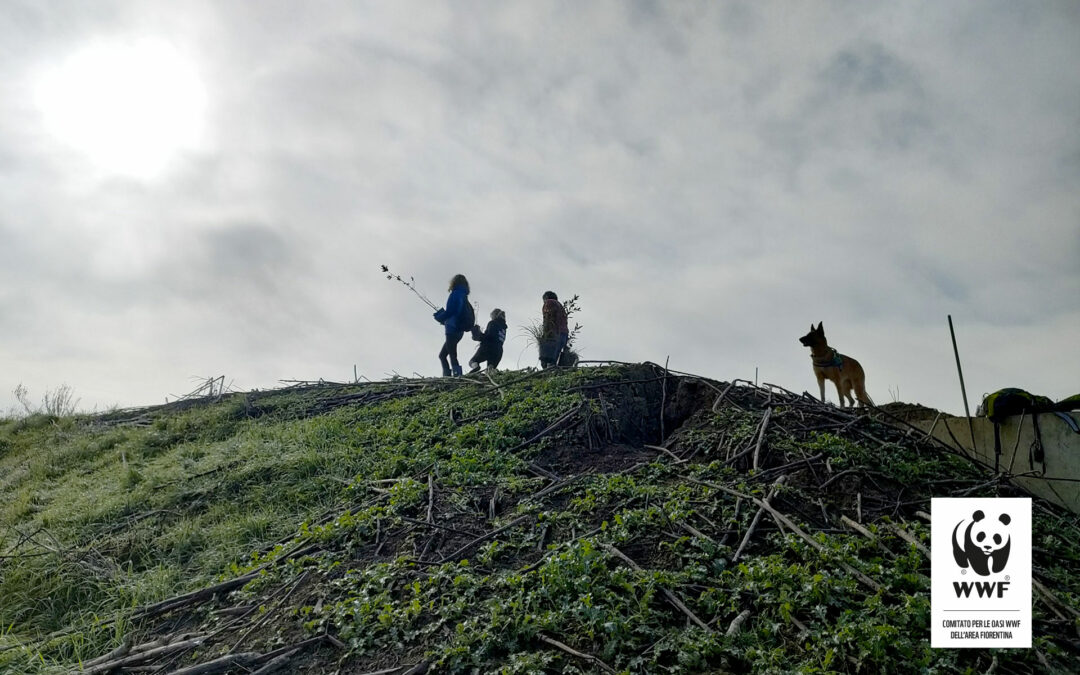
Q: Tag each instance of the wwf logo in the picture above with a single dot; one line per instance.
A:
(982, 543)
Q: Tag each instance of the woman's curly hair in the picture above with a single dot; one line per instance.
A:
(459, 281)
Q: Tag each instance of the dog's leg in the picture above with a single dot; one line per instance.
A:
(821, 385)
(842, 391)
(850, 390)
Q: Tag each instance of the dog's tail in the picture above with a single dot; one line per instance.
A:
(860, 393)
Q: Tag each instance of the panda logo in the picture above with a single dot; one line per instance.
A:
(982, 543)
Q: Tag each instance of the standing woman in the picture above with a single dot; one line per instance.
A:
(555, 331)
(456, 317)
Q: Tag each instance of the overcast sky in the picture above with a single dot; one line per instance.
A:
(209, 188)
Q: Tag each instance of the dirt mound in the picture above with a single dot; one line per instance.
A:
(911, 412)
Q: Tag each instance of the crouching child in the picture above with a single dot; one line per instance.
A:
(491, 342)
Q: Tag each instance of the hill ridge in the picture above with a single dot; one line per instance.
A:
(612, 518)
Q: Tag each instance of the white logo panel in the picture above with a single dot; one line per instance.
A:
(980, 573)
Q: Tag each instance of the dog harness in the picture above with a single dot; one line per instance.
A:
(834, 360)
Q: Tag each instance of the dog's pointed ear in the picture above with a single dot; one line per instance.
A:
(819, 325)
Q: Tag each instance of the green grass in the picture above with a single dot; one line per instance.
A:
(98, 520)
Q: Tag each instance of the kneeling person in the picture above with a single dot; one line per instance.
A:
(491, 342)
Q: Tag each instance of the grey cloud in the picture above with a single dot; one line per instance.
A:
(869, 69)
(710, 160)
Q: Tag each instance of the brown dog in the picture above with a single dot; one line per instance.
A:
(844, 371)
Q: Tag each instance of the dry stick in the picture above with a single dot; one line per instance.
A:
(866, 533)
(168, 639)
(573, 652)
(436, 526)
(858, 528)
(794, 528)
(761, 436)
(430, 497)
(845, 472)
(276, 663)
(1042, 660)
(269, 612)
(907, 536)
(193, 597)
(484, 538)
(930, 431)
(757, 517)
(244, 612)
(737, 622)
(502, 394)
(556, 547)
(556, 486)
(122, 650)
(678, 460)
(720, 398)
(540, 471)
(329, 637)
(672, 598)
(303, 644)
(789, 465)
(551, 427)
(143, 656)
(799, 624)
(739, 455)
(1051, 597)
(609, 385)
(694, 531)
(218, 665)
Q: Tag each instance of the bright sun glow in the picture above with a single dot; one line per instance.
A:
(129, 107)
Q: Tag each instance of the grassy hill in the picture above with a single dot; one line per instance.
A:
(608, 519)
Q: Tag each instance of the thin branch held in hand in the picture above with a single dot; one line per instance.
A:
(410, 284)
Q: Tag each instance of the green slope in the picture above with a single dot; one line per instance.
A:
(518, 528)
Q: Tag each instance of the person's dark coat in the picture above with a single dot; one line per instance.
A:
(554, 318)
(491, 341)
(452, 315)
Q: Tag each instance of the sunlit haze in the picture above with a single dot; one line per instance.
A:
(129, 107)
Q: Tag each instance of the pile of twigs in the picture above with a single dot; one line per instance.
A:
(806, 495)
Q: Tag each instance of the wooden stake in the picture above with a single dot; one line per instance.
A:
(663, 398)
(963, 390)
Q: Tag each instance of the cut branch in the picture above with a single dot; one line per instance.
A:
(573, 652)
(737, 622)
(671, 597)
